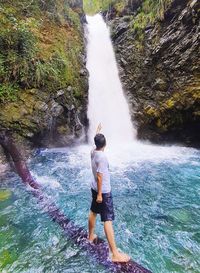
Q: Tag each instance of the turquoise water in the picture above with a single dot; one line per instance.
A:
(156, 194)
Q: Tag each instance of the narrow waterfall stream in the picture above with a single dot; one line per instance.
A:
(156, 190)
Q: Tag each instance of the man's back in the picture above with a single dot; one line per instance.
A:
(100, 164)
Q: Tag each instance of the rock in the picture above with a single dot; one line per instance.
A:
(193, 3)
(83, 72)
(55, 109)
(69, 89)
(30, 135)
(4, 195)
(40, 105)
(120, 29)
(159, 69)
(59, 93)
(160, 84)
(123, 61)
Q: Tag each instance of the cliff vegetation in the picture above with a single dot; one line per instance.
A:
(43, 80)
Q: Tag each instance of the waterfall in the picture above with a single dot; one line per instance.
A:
(107, 104)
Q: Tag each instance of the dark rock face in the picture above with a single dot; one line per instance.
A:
(160, 71)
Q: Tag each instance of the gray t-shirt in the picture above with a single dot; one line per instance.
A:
(100, 164)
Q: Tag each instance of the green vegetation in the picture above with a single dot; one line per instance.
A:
(148, 13)
(94, 6)
(40, 41)
(40, 45)
(8, 92)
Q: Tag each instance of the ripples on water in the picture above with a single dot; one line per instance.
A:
(157, 200)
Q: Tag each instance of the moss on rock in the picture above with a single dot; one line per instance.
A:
(181, 108)
(42, 52)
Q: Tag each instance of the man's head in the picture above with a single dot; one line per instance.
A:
(100, 141)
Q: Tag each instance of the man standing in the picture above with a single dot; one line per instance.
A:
(102, 202)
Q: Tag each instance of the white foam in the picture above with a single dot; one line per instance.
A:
(124, 155)
(47, 181)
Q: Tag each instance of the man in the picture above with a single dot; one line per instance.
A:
(102, 197)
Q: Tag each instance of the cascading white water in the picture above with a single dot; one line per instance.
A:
(107, 104)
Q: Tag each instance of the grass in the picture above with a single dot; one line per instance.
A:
(151, 8)
(8, 92)
(148, 13)
(92, 7)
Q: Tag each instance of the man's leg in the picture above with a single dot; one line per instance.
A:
(91, 225)
(116, 255)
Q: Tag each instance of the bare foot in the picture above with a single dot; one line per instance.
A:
(92, 238)
(120, 258)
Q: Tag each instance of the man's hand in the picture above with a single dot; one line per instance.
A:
(99, 129)
(99, 198)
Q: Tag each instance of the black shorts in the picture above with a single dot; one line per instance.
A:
(105, 209)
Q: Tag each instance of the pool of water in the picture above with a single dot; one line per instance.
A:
(156, 194)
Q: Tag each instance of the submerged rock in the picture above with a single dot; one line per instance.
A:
(5, 194)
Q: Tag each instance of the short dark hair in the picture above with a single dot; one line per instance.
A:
(100, 141)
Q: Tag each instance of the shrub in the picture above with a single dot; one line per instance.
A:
(8, 92)
(40, 45)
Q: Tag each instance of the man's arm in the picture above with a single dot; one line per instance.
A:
(99, 187)
(98, 129)
(99, 175)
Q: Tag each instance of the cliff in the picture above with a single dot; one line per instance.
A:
(43, 79)
(157, 48)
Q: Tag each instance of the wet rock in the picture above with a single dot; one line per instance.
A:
(83, 72)
(55, 108)
(120, 29)
(5, 194)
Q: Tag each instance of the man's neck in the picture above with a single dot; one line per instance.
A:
(100, 150)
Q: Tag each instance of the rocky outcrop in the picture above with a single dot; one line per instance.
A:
(45, 118)
(158, 57)
(44, 81)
